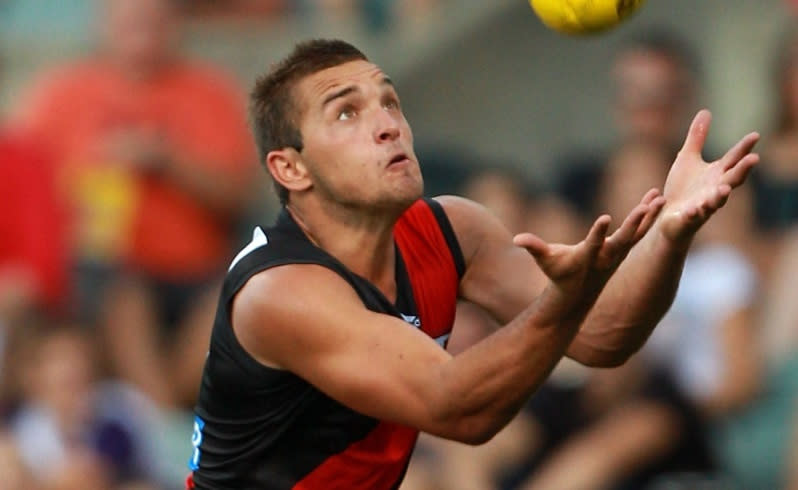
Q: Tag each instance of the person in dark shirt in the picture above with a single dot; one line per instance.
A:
(654, 82)
(328, 353)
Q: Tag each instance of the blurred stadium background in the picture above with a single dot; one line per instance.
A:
(527, 121)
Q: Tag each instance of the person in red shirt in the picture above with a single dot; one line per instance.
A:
(153, 155)
(33, 271)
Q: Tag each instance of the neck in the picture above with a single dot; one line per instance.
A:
(361, 241)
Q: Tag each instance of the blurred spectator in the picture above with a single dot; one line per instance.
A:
(780, 308)
(33, 250)
(709, 340)
(649, 423)
(155, 158)
(15, 475)
(33, 261)
(791, 462)
(377, 16)
(235, 9)
(73, 432)
(623, 427)
(755, 445)
(776, 179)
(654, 91)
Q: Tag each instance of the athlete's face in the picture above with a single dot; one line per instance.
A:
(357, 144)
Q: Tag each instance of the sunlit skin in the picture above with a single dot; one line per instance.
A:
(357, 171)
(346, 195)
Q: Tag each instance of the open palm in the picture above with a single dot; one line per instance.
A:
(694, 188)
(580, 271)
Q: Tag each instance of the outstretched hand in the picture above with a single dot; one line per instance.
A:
(580, 271)
(695, 189)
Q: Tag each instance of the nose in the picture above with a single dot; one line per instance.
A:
(387, 128)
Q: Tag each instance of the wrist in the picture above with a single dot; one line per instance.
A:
(672, 240)
(674, 231)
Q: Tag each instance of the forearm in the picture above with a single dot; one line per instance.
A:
(486, 385)
(634, 300)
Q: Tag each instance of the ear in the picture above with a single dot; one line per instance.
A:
(288, 169)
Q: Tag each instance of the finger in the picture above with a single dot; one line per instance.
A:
(532, 243)
(714, 201)
(697, 134)
(654, 207)
(739, 150)
(598, 232)
(738, 173)
(625, 234)
(650, 196)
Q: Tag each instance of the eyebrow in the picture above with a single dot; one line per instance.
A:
(348, 90)
(337, 95)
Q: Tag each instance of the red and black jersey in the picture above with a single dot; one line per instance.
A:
(258, 428)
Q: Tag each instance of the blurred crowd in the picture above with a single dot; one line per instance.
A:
(128, 176)
(374, 14)
(710, 401)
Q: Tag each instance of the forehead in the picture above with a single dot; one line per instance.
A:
(317, 85)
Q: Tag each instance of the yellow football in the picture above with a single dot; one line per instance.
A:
(584, 16)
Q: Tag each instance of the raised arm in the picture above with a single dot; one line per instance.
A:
(502, 276)
(502, 279)
(378, 365)
(643, 288)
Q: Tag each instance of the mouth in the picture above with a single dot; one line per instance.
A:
(398, 158)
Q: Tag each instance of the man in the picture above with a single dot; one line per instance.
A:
(655, 82)
(153, 151)
(327, 356)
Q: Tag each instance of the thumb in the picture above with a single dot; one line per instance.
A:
(697, 134)
(532, 243)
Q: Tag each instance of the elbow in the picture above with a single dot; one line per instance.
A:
(603, 352)
(473, 430)
(607, 361)
(474, 434)
(597, 358)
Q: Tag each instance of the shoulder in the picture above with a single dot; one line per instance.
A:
(289, 308)
(473, 224)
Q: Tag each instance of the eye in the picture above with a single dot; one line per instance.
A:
(391, 104)
(346, 113)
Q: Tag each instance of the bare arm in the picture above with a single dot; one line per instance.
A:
(379, 366)
(501, 276)
(642, 290)
(502, 279)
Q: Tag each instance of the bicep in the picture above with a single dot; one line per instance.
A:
(373, 363)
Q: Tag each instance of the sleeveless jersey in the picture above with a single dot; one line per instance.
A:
(258, 428)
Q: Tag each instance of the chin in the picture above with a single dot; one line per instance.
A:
(400, 201)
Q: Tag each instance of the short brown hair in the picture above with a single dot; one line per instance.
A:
(273, 109)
